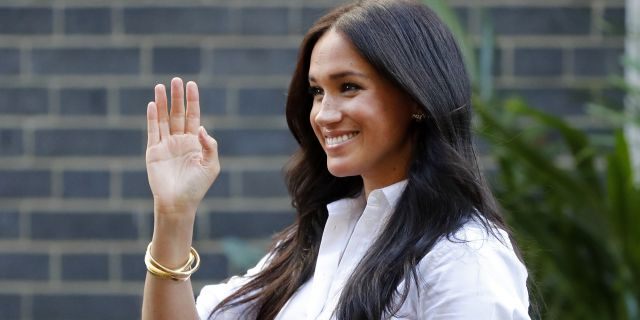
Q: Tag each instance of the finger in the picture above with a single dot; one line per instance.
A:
(161, 106)
(209, 150)
(153, 133)
(177, 106)
(193, 108)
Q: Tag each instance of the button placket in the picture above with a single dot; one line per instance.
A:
(337, 229)
(365, 232)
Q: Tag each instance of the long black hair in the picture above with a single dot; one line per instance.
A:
(409, 45)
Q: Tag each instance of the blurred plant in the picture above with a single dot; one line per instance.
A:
(242, 255)
(581, 225)
(570, 198)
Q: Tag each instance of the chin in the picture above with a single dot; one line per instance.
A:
(340, 170)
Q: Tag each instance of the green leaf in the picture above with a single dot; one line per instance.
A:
(527, 154)
(613, 118)
(577, 141)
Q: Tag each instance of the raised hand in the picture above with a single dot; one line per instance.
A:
(182, 159)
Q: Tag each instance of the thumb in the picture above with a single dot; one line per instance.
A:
(209, 149)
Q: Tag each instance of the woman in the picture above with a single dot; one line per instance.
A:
(394, 219)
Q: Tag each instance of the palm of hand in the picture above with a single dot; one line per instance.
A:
(176, 171)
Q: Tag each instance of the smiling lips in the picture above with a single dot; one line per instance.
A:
(333, 141)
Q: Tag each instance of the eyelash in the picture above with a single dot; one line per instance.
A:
(315, 91)
(349, 87)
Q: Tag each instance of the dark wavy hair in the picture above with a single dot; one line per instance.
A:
(409, 45)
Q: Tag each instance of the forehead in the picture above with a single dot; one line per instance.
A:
(333, 53)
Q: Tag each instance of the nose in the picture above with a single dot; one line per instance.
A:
(329, 112)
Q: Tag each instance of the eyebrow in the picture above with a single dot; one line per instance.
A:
(342, 74)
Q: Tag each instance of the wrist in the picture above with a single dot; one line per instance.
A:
(174, 210)
(172, 237)
(170, 250)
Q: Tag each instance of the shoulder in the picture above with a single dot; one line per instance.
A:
(474, 240)
(474, 273)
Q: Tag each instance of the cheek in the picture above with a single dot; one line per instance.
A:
(391, 122)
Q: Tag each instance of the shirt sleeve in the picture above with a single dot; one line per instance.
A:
(473, 276)
(211, 295)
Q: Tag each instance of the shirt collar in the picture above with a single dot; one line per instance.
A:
(388, 195)
(346, 205)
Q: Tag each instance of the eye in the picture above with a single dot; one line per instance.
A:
(315, 91)
(350, 87)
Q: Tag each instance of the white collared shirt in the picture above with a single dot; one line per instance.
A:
(475, 276)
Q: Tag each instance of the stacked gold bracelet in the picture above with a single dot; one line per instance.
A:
(182, 273)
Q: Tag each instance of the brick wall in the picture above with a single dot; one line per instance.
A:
(75, 77)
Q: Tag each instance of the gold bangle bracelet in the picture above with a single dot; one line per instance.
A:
(182, 273)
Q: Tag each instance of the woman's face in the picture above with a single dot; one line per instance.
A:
(360, 118)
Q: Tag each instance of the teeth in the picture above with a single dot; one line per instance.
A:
(340, 139)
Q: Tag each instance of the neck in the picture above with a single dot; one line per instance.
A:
(371, 184)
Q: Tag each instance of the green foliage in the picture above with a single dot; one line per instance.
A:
(580, 225)
(569, 197)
